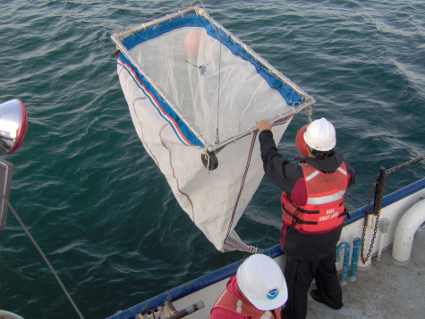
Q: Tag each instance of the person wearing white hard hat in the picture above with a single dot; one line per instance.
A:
(258, 290)
(313, 212)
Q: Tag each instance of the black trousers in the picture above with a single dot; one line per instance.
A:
(299, 275)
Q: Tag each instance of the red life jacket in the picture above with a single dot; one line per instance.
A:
(324, 209)
(233, 303)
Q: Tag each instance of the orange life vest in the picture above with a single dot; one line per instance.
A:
(324, 209)
(229, 301)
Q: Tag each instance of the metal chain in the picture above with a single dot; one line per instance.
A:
(379, 183)
(372, 187)
(380, 196)
(364, 260)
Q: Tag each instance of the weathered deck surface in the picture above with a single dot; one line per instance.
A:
(386, 290)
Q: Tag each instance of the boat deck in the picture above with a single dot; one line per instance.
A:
(386, 290)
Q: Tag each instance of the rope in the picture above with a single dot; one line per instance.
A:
(217, 136)
(308, 112)
(249, 104)
(46, 260)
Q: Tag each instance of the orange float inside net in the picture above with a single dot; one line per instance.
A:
(191, 42)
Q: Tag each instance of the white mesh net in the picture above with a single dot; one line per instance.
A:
(187, 62)
(217, 84)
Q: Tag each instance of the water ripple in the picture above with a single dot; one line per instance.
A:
(96, 202)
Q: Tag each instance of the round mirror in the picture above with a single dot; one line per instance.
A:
(13, 125)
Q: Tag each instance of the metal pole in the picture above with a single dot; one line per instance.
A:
(379, 190)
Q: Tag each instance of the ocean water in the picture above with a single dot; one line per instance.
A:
(93, 198)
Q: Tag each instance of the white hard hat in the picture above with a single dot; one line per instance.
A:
(261, 281)
(320, 135)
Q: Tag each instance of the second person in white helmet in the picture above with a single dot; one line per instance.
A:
(257, 291)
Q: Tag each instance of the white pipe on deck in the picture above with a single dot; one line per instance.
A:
(384, 225)
(405, 233)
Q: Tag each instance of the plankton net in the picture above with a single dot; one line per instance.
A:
(195, 92)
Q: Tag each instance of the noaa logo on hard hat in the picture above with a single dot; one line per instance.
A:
(272, 293)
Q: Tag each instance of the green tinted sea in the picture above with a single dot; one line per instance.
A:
(96, 202)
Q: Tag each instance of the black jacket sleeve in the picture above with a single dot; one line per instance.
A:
(276, 166)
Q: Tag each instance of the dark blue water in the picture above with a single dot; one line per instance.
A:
(93, 198)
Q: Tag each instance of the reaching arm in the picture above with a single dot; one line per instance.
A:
(276, 166)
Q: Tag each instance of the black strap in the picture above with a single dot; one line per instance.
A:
(307, 211)
(306, 222)
(295, 219)
(345, 213)
(301, 210)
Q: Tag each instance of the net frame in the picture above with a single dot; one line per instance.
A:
(124, 40)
